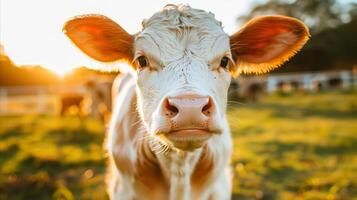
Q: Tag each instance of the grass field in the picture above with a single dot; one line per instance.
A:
(286, 147)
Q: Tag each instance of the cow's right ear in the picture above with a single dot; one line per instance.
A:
(100, 38)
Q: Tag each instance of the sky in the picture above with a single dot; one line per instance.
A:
(31, 31)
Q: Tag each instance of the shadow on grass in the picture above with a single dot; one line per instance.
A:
(9, 152)
(39, 177)
(32, 164)
(37, 187)
(11, 133)
(276, 149)
(297, 112)
(79, 136)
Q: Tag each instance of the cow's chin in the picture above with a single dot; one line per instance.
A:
(187, 139)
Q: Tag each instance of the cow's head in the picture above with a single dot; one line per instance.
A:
(184, 62)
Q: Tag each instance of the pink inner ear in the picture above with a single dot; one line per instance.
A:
(271, 48)
(262, 45)
(265, 43)
(259, 39)
(100, 38)
(266, 37)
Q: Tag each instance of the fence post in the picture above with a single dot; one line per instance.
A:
(307, 83)
(41, 100)
(271, 85)
(345, 77)
(3, 101)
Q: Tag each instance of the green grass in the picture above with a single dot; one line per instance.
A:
(296, 147)
(51, 158)
(286, 147)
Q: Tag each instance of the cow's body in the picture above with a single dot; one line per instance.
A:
(169, 137)
(146, 174)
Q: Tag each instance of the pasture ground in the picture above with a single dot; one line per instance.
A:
(285, 147)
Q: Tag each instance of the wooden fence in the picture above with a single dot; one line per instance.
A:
(18, 100)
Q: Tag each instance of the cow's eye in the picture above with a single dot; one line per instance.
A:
(142, 61)
(224, 62)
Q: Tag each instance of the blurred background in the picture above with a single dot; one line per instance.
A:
(294, 129)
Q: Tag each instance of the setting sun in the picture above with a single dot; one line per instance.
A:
(61, 71)
(32, 33)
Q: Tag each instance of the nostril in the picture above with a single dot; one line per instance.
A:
(170, 110)
(208, 108)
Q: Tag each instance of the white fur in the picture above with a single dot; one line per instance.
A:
(179, 150)
(184, 47)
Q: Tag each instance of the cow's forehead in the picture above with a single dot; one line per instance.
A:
(177, 29)
(180, 16)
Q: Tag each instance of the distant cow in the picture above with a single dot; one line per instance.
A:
(95, 100)
(70, 101)
(100, 98)
(169, 137)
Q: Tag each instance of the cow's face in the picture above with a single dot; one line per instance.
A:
(184, 60)
(182, 63)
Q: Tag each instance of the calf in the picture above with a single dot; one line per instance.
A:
(169, 137)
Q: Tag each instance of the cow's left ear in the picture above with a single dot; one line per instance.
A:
(265, 43)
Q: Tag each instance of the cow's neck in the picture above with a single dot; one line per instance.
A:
(184, 175)
(178, 167)
(189, 174)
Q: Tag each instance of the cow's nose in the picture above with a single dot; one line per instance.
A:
(189, 111)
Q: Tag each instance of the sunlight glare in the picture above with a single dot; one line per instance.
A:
(32, 33)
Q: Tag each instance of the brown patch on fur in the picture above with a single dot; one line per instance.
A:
(203, 169)
(147, 165)
(145, 169)
(281, 37)
(148, 174)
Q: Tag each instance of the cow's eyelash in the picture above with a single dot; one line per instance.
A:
(215, 62)
(153, 61)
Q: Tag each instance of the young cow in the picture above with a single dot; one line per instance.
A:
(169, 137)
